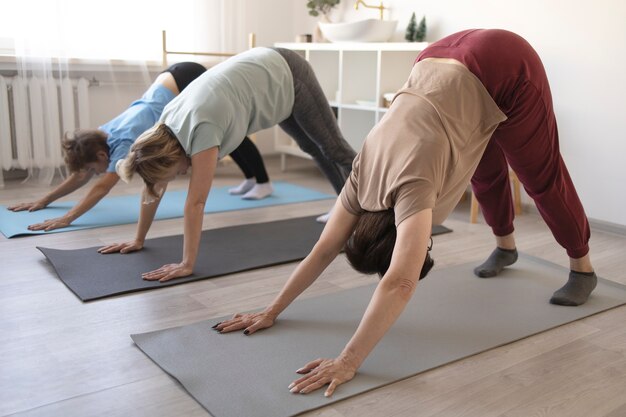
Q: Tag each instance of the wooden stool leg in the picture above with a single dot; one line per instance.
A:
(474, 209)
(517, 197)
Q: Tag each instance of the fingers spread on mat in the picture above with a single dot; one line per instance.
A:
(250, 322)
(321, 372)
(167, 272)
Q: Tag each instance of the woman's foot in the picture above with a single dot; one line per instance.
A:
(243, 188)
(497, 261)
(577, 289)
(259, 191)
(324, 217)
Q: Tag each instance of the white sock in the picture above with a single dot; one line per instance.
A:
(243, 188)
(324, 217)
(259, 192)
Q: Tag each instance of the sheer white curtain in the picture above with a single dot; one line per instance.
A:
(119, 29)
(47, 37)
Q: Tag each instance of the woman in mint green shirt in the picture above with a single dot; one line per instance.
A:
(254, 90)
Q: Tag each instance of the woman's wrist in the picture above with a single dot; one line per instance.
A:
(272, 312)
(187, 263)
(68, 218)
(350, 359)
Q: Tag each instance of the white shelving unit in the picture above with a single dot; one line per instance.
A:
(354, 78)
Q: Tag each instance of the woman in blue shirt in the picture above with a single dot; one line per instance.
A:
(96, 151)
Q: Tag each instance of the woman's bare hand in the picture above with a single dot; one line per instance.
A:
(125, 247)
(167, 272)
(250, 322)
(320, 372)
(33, 206)
(51, 224)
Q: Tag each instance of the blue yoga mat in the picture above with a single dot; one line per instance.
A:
(125, 209)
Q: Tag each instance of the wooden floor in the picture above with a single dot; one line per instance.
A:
(62, 357)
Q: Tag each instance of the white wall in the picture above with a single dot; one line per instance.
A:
(583, 47)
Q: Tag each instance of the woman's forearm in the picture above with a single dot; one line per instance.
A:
(333, 238)
(146, 214)
(203, 168)
(305, 274)
(72, 183)
(194, 214)
(387, 304)
(95, 194)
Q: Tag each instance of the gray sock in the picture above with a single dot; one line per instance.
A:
(496, 262)
(577, 289)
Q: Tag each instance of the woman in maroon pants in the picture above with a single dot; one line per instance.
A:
(528, 141)
(475, 102)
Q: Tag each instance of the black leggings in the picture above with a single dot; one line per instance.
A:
(184, 73)
(248, 159)
(246, 156)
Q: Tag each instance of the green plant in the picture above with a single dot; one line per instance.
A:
(410, 29)
(415, 33)
(321, 6)
(420, 33)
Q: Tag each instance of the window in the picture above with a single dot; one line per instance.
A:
(116, 29)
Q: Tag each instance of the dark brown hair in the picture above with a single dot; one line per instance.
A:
(370, 247)
(81, 147)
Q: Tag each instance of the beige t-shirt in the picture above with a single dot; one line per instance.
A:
(424, 151)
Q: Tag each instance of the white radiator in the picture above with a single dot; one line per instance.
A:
(34, 115)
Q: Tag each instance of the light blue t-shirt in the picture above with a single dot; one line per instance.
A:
(242, 95)
(139, 117)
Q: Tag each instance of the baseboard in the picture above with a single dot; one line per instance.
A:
(595, 224)
(14, 174)
(604, 226)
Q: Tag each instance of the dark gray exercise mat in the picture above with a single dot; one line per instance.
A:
(91, 275)
(439, 230)
(452, 315)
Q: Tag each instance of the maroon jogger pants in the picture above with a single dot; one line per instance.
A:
(527, 141)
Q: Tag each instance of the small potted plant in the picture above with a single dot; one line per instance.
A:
(321, 9)
(415, 33)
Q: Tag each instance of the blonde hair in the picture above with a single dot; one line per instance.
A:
(153, 153)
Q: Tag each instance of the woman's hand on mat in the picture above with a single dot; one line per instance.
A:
(51, 224)
(167, 272)
(250, 322)
(321, 372)
(125, 247)
(34, 206)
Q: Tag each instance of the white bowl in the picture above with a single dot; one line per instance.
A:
(369, 30)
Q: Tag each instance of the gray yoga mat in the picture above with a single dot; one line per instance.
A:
(451, 316)
(91, 275)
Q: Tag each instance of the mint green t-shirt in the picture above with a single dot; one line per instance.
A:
(242, 95)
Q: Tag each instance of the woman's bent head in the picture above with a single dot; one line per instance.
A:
(83, 146)
(370, 248)
(153, 156)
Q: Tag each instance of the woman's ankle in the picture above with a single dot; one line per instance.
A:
(581, 264)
